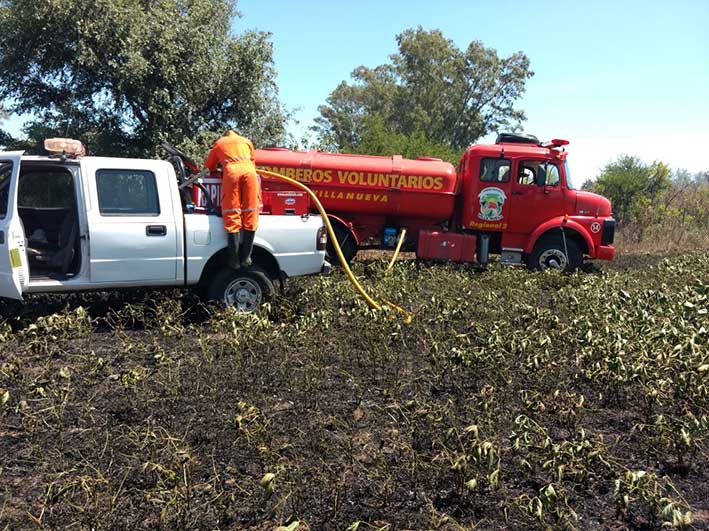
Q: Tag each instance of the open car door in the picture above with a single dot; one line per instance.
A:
(14, 271)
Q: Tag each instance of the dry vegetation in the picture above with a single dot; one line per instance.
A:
(669, 236)
(514, 401)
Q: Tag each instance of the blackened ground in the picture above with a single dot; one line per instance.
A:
(514, 400)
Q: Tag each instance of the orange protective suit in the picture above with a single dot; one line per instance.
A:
(241, 193)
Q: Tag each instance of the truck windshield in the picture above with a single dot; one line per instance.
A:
(569, 182)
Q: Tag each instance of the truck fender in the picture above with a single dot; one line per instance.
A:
(262, 256)
(336, 220)
(260, 242)
(556, 223)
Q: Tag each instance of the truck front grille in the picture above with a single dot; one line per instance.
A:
(608, 232)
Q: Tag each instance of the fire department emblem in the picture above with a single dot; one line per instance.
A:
(492, 200)
(595, 227)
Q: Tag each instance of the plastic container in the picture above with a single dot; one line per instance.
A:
(389, 237)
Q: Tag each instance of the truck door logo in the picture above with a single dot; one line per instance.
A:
(492, 199)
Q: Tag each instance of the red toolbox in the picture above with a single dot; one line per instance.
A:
(285, 202)
(449, 246)
(278, 200)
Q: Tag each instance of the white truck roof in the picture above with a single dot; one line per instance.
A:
(96, 160)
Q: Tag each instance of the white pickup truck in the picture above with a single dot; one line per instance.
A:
(71, 223)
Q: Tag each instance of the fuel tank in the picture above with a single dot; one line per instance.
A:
(424, 188)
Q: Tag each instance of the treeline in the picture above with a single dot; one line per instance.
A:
(657, 208)
(431, 98)
(124, 76)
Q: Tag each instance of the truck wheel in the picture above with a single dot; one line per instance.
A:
(347, 242)
(244, 289)
(549, 253)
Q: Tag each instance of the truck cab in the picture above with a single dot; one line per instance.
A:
(71, 223)
(518, 192)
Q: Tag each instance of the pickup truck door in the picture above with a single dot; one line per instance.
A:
(14, 271)
(132, 223)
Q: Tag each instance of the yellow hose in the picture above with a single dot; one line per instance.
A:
(331, 233)
(396, 252)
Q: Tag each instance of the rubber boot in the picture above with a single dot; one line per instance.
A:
(247, 244)
(233, 242)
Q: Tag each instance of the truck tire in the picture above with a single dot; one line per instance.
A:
(244, 289)
(347, 242)
(549, 253)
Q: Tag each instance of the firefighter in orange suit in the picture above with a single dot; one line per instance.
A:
(240, 194)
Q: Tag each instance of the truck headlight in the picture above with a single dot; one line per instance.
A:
(608, 232)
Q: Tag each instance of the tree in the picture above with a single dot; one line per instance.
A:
(430, 87)
(631, 184)
(124, 75)
(5, 139)
(702, 177)
(652, 203)
(587, 185)
(377, 139)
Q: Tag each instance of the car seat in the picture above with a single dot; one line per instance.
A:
(57, 257)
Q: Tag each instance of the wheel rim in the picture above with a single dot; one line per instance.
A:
(553, 259)
(244, 294)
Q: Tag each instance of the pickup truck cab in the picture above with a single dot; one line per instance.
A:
(71, 223)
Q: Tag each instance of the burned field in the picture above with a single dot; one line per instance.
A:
(514, 400)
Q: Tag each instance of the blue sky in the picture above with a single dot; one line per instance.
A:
(612, 77)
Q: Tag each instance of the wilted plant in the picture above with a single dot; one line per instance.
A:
(514, 400)
(653, 496)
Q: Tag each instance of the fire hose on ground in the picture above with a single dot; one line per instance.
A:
(396, 252)
(345, 266)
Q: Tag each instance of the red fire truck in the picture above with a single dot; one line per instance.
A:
(514, 198)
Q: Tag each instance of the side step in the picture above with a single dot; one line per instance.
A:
(511, 256)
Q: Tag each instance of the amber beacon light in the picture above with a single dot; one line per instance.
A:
(65, 146)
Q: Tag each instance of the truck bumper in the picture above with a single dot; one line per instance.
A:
(605, 252)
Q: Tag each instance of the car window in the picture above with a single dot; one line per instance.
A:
(527, 174)
(533, 172)
(5, 174)
(127, 193)
(552, 172)
(48, 188)
(495, 170)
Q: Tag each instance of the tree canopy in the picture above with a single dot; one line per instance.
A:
(430, 88)
(124, 75)
(629, 183)
(378, 139)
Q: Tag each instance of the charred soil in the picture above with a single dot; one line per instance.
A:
(514, 400)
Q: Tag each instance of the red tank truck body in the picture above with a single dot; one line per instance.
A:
(513, 198)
